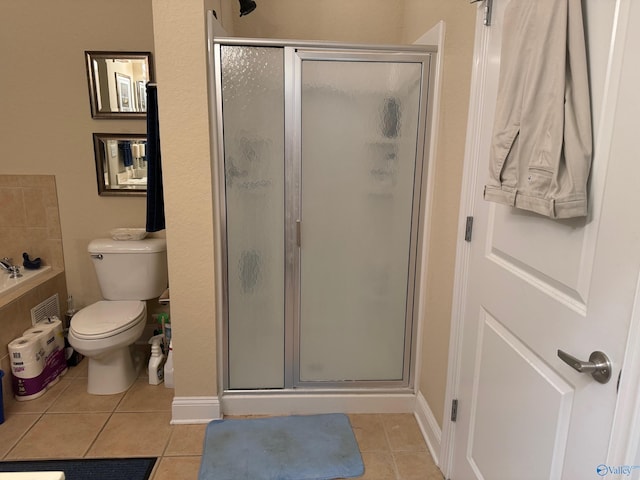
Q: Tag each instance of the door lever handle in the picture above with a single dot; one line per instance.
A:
(599, 365)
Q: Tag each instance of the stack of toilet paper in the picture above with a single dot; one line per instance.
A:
(37, 359)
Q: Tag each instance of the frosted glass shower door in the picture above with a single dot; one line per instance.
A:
(359, 195)
(320, 191)
(253, 125)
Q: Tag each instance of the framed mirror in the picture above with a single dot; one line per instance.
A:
(117, 83)
(121, 163)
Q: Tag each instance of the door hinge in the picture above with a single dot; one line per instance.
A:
(488, 8)
(468, 229)
(298, 233)
(454, 410)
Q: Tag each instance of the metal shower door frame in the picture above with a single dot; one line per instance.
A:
(294, 54)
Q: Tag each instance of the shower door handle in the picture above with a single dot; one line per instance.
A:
(298, 233)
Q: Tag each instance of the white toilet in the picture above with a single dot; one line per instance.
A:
(129, 272)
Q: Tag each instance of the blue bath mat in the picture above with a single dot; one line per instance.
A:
(309, 447)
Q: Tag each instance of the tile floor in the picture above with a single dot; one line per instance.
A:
(67, 422)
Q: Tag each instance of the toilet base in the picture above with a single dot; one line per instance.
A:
(113, 372)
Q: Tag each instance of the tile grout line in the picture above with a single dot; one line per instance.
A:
(24, 434)
(113, 411)
(396, 471)
(93, 442)
(40, 417)
(384, 432)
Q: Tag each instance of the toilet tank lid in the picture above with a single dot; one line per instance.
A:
(109, 245)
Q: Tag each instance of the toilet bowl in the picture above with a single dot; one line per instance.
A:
(104, 332)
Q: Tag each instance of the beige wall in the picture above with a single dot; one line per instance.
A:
(180, 33)
(356, 21)
(45, 121)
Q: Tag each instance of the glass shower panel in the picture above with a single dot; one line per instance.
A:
(253, 123)
(359, 139)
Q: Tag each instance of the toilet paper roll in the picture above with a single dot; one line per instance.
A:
(19, 386)
(26, 349)
(50, 334)
(58, 330)
(27, 370)
(51, 337)
(135, 149)
(45, 339)
(27, 359)
(29, 379)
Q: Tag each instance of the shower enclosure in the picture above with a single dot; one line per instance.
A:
(320, 177)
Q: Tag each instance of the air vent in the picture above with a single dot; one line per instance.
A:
(47, 309)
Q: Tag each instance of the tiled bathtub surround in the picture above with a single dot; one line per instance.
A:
(15, 318)
(30, 219)
(30, 223)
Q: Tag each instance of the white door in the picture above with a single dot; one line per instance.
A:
(535, 285)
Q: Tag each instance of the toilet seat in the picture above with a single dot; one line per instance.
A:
(107, 318)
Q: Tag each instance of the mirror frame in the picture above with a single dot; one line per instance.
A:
(99, 153)
(93, 93)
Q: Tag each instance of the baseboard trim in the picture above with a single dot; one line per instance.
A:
(429, 426)
(198, 410)
(310, 403)
(191, 410)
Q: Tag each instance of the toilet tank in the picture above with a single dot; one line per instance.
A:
(130, 269)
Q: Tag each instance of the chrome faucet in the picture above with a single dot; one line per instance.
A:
(7, 266)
